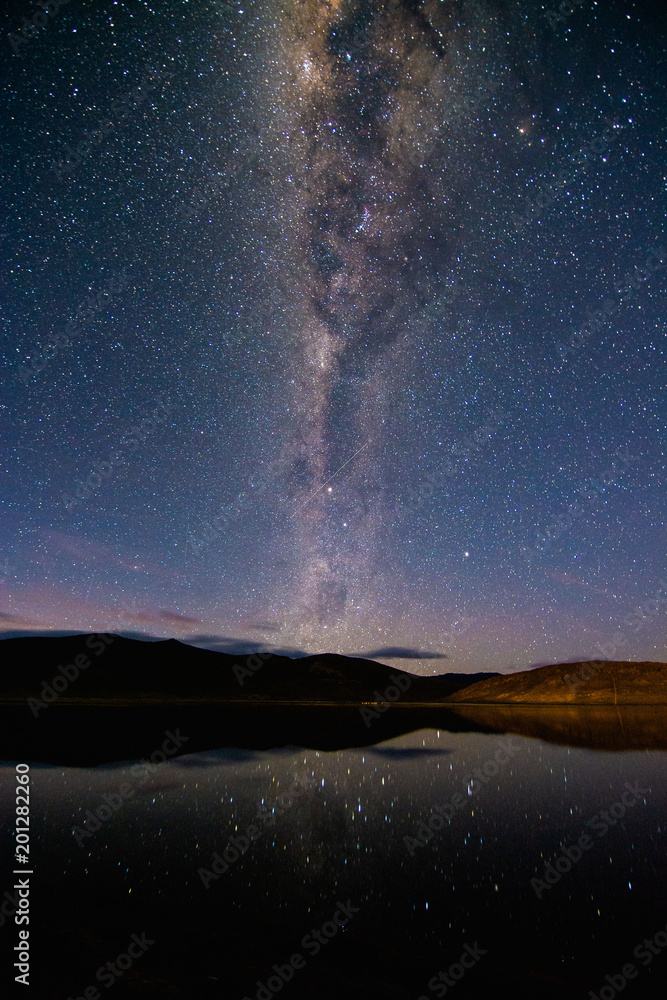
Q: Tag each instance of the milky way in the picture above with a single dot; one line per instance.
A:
(337, 326)
(374, 231)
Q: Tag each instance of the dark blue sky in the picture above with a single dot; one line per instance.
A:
(337, 328)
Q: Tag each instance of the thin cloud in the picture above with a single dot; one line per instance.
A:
(37, 633)
(239, 647)
(401, 653)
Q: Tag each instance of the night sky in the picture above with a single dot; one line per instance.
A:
(337, 327)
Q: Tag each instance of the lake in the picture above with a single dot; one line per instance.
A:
(430, 864)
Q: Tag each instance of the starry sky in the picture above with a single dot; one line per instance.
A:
(336, 326)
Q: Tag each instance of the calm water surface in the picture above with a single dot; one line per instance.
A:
(208, 858)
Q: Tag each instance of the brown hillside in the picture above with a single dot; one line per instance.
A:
(592, 682)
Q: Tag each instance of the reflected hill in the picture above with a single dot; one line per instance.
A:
(84, 700)
(591, 727)
(90, 699)
(85, 736)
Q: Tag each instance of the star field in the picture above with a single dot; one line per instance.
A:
(350, 834)
(337, 327)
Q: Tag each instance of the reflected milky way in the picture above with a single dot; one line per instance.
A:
(349, 836)
(337, 326)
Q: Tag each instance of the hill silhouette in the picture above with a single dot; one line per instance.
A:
(88, 699)
(108, 669)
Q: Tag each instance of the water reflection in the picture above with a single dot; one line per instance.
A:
(84, 736)
(596, 727)
(340, 860)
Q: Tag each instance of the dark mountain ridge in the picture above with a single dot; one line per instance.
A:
(87, 699)
(113, 669)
